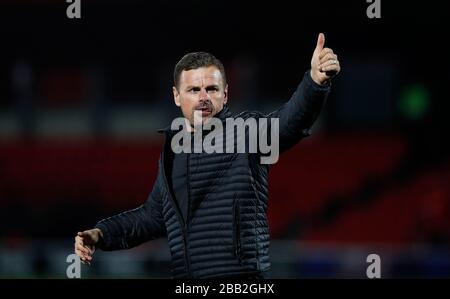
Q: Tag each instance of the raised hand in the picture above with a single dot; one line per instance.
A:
(324, 63)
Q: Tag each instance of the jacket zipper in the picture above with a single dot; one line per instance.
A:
(237, 231)
(180, 217)
(256, 215)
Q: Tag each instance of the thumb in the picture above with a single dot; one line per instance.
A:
(320, 42)
(85, 235)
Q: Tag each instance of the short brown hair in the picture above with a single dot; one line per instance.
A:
(197, 60)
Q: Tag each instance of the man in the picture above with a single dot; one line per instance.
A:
(213, 206)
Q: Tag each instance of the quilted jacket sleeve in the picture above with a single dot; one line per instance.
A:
(134, 227)
(298, 114)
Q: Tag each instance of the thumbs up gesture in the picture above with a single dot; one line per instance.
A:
(324, 63)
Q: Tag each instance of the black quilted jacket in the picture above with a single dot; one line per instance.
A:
(226, 232)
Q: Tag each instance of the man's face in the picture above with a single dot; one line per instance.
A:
(201, 92)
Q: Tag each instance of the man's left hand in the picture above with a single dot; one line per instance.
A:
(324, 63)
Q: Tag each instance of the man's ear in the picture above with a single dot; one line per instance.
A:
(176, 96)
(225, 94)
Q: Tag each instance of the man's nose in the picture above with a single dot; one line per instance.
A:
(203, 95)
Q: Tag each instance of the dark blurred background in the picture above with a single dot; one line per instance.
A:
(81, 101)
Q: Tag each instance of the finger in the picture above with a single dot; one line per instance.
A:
(324, 52)
(79, 253)
(329, 62)
(82, 249)
(79, 240)
(86, 262)
(329, 56)
(89, 249)
(331, 68)
(83, 235)
(320, 43)
(84, 258)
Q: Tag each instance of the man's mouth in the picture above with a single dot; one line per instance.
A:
(204, 110)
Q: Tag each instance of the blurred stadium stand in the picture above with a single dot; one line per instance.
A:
(81, 101)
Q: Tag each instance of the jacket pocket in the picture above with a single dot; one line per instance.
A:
(237, 230)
